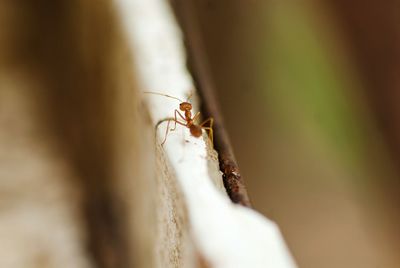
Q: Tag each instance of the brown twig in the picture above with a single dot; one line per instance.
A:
(198, 64)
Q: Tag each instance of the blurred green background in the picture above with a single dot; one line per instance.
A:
(309, 92)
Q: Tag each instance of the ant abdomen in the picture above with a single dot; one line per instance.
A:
(195, 130)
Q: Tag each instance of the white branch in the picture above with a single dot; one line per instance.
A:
(224, 234)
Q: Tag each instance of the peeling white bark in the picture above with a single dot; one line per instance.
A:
(197, 217)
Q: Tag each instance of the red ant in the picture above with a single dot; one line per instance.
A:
(186, 107)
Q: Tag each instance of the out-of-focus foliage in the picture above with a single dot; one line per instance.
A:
(305, 87)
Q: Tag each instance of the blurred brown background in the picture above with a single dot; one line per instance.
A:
(309, 92)
(74, 151)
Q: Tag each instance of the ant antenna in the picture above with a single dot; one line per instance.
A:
(190, 96)
(162, 94)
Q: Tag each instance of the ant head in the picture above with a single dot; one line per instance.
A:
(185, 106)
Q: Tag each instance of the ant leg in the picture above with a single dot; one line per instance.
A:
(176, 120)
(177, 112)
(211, 120)
(210, 134)
(167, 129)
(166, 132)
(195, 116)
(209, 128)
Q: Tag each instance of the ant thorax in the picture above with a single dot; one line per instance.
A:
(189, 122)
(188, 115)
